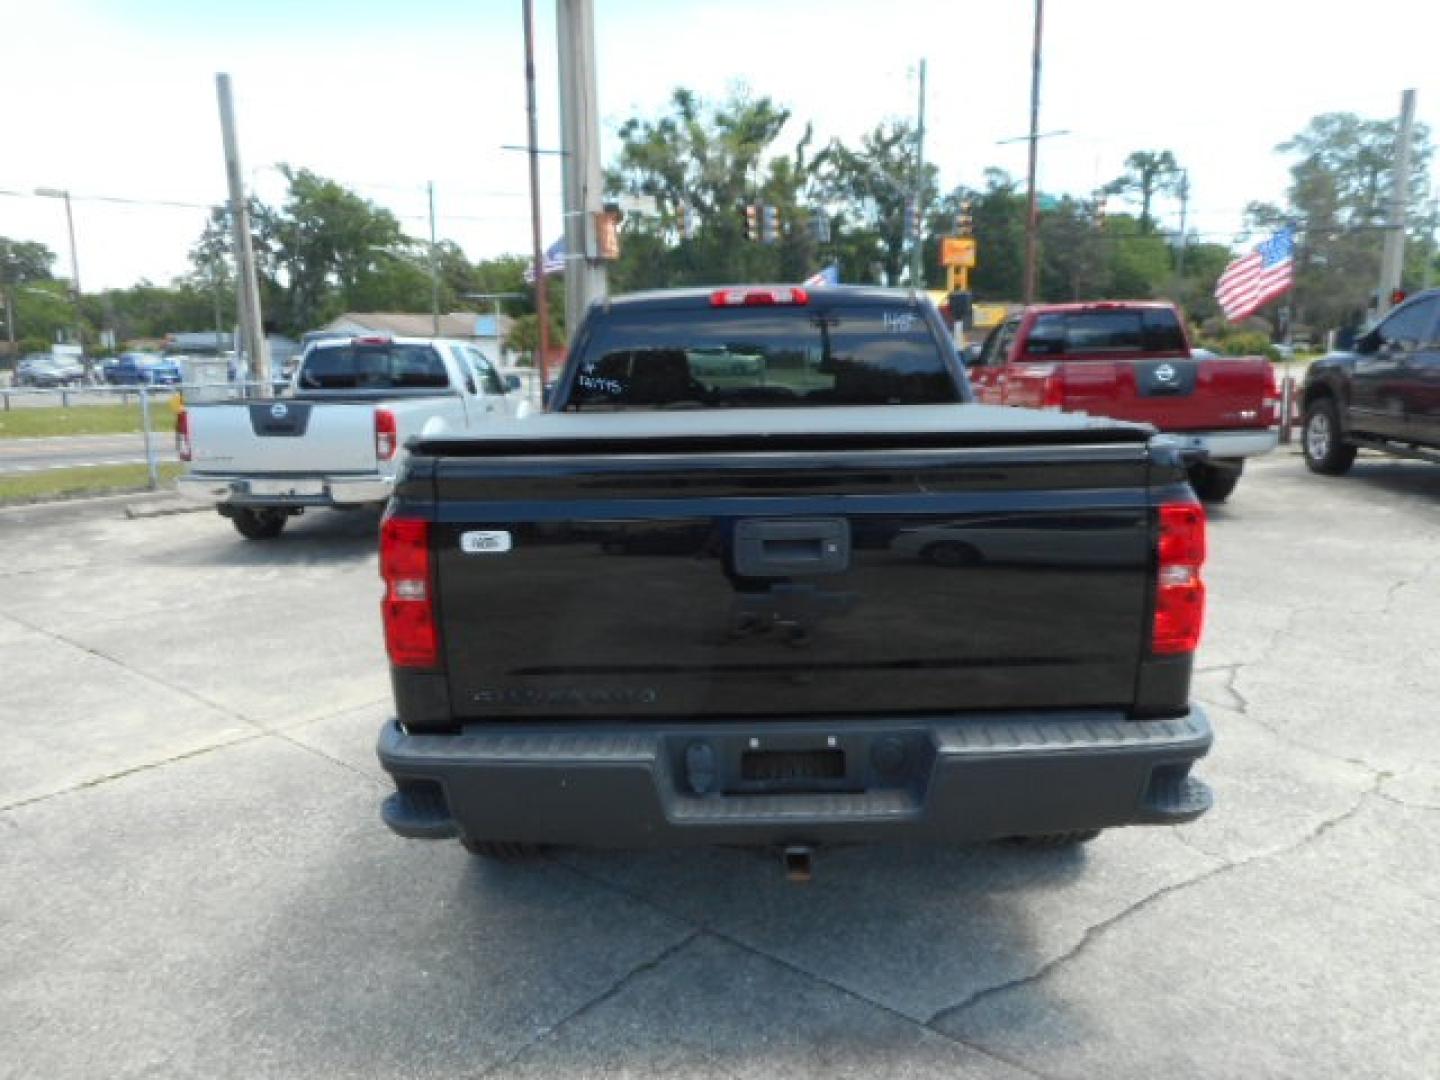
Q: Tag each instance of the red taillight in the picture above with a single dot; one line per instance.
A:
(1179, 590)
(373, 339)
(408, 608)
(758, 297)
(386, 435)
(182, 435)
(1052, 394)
(1270, 403)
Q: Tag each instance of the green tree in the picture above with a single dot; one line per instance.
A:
(1148, 173)
(705, 163)
(524, 335)
(871, 187)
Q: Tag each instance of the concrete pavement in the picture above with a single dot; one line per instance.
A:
(194, 879)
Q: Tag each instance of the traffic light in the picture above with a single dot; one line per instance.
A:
(962, 308)
(750, 217)
(769, 224)
(911, 214)
(965, 220)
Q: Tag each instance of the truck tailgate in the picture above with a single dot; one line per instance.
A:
(1172, 394)
(786, 576)
(283, 436)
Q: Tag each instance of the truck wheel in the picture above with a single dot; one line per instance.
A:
(1046, 841)
(1214, 483)
(500, 850)
(258, 524)
(1326, 451)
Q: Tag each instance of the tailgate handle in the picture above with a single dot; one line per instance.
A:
(786, 548)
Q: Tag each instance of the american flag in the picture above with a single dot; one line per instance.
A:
(554, 262)
(829, 276)
(1257, 277)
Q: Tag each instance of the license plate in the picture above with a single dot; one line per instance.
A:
(287, 487)
(780, 765)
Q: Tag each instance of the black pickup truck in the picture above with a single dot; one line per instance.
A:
(766, 575)
(1381, 394)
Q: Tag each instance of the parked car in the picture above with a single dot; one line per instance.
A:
(49, 371)
(143, 369)
(1381, 394)
(681, 608)
(1132, 360)
(340, 437)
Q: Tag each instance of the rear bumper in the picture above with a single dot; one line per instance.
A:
(935, 780)
(229, 490)
(1219, 445)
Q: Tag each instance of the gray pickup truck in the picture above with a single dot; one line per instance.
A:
(766, 575)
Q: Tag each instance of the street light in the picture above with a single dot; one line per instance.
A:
(57, 193)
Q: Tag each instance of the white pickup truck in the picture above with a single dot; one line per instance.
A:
(337, 437)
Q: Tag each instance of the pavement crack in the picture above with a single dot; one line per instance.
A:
(721, 935)
(154, 680)
(1095, 932)
(593, 1003)
(96, 781)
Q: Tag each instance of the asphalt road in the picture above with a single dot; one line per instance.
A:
(80, 451)
(195, 881)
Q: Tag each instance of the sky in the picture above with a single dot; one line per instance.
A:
(116, 98)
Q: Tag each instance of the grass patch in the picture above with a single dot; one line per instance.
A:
(52, 484)
(109, 419)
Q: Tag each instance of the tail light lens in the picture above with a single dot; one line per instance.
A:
(386, 435)
(182, 435)
(1052, 394)
(1271, 402)
(408, 609)
(1179, 590)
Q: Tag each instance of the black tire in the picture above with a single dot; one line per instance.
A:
(1326, 451)
(950, 553)
(1047, 841)
(259, 524)
(1214, 483)
(500, 850)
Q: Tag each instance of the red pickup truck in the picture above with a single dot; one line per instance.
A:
(1132, 360)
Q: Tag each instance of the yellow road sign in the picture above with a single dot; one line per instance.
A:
(957, 251)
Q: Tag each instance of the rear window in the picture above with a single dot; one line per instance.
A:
(765, 356)
(1137, 330)
(374, 367)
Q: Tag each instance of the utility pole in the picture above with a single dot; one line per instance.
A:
(434, 266)
(247, 290)
(580, 147)
(542, 300)
(917, 267)
(55, 193)
(1392, 261)
(1032, 220)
